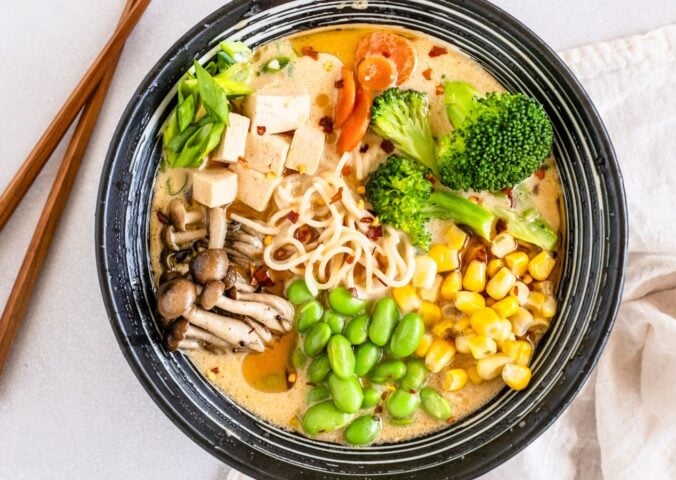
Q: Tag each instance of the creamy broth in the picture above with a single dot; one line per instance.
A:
(337, 47)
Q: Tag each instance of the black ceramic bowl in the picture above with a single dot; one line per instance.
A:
(595, 247)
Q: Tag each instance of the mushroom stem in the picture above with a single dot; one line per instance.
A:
(233, 331)
(196, 333)
(245, 238)
(173, 239)
(283, 307)
(241, 260)
(189, 344)
(245, 249)
(180, 216)
(263, 332)
(259, 312)
(218, 227)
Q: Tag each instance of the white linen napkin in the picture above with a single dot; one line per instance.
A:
(622, 425)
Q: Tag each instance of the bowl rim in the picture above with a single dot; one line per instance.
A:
(613, 183)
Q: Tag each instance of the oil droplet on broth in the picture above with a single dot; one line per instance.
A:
(269, 371)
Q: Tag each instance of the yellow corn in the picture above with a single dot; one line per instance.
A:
(461, 325)
(432, 294)
(455, 237)
(482, 346)
(462, 342)
(494, 265)
(548, 308)
(501, 284)
(431, 313)
(521, 321)
(267, 240)
(424, 345)
(490, 367)
(521, 291)
(475, 276)
(506, 307)
(425, 272)
(517, 377)
(520, 351)
(517, 263)
(468, 302)
(406, 298)
(485, 322)
(546, 287)
(451, 285)
(535, 301)
(541, 265)
(445, 257)
(361, 189)
(503, 244)
(473, 375)
(527, 279)
(439, 355)
(441, 328)
(455, 379)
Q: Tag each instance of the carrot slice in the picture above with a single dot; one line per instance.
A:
(376, 72)
(346, 96)
(355, 127)
(392, 46)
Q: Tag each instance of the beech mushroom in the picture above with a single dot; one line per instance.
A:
(282, 306)
(218, 227)
(180, 216)
(241, 236)
(173, 239)
(209, 266)
(231, 330)
(181, 334)
(175, 298)
(210, 294)
(259, 312)
(245, 249)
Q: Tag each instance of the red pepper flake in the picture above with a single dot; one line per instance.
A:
(439, 90)
(430, 178)
(215, 370)
(338, 196)
(540, 173)
(346, 171)
(510, 195)
(427, 74)
(306, 234)
(310, 52)
(339, 83)
(438, 51)
(242, 161)
(500, 225)
(349, 259)
(374, 233)
(387, 146)
(481, 254)
(292, 216)
(262, 278)
(327, 124)
(353, 291)
(378, 409)
(384, 395)
(366, 220)
(162, 217)
(261, 130)
(364, 148)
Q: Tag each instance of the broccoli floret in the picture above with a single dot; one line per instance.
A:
(498, 141)
(529, 226)
(402, 116)
(448, 206)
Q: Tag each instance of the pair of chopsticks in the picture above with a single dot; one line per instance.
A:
(87, 99)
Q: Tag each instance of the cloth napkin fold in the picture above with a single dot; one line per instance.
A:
(622, 425)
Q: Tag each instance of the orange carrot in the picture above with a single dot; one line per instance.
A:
(392, 46)
(355, 127)
(376, 72)
(346, 97)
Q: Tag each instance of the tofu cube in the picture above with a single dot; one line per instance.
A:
(255, 188)
(233, 143)
(266, 153)
(307, 149)
(214, 187)
(277, 110)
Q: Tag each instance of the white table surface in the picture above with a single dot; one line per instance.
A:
(70, 407)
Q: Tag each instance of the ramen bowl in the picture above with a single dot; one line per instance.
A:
(594, 249)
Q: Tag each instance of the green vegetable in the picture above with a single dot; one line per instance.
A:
(319, 369)
(388, 371)
(366, 356)
(385, 318)
(343, 301)
(334, 320)
(316, 339)
(212, 95)
(357, 329)
(186, 113)
(341, 356)
(308, 315)
(203, 141)
(402, 404)
(449, 206)
(324, 417)
(407, 335)
(297, 292)
(529, 226)
(317, 394)
(276, 64)
(363, 430)
(416, 374)
(347, 393)
(371, 397)
(434, 404)
(298, 358)
(237, 51)
(499, 140)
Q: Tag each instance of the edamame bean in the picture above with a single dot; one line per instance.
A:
(341, 356)
(416, 374)
(366, 356)
(317, 394)
(319, 369)
(388, 371)
(308, 315)
(298, 358)
(363, 430)
(344, 302)
(407, 335)
(371, 397)
(324, 417)
(434, 404)
(298, 293)
(346, 393)
(317, 338)
(357, 331)
(334, 320)
(385, 318)
(402, 404)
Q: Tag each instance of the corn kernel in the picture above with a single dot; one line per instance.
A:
(541, 265)
(451, 285)
(375, 222)
(270, 176)
(424, 345)
(360, 205)
(455, 379)
(535, 301)
(548, 308)
(482, 346)
(490, 367)
(446, 258)
(503, 244)
(468, 302)
(521, 291)
(521, 321)
(501, 284)
(475, 276)
(462, 343)
(506, 307)
(517, 377)
(527, 279)
(494, 265)
(430, 313)
(425, 272)
(455, 237)
(485, 322)
(441, 328)
(473, 375)
(302, 169)
(517, 263)
(267, 240)
(361, 189)
(461, 325)
(432, 294)
(546, 287)
(406, 298)
(439, 355)
(520, 351)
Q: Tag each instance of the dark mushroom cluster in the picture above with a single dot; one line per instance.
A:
(205, 298)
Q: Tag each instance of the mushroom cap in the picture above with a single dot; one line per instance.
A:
(175, 298)
(175, 334)
(209, 266)
(230, 278)
(167, 235)
(211, 293)
(177, 211)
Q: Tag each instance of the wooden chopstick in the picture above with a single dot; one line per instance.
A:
(38, 157)
(56, 201)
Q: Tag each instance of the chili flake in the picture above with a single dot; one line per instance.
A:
(292, 216)
(540, 173)
(339, 83)
(364, 148)
(338, 196)
(346, 171)
(366, 220)
(374, 233)
(387, 146)
(427, 74)
(327, 124)
(260, 130)
(310, 52)
(437, 51)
